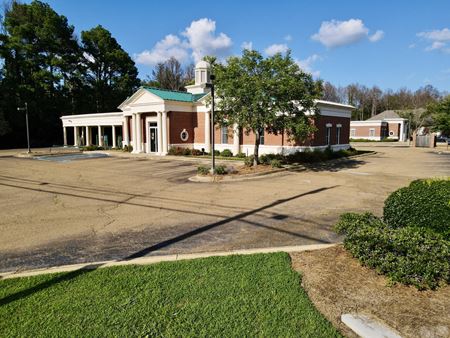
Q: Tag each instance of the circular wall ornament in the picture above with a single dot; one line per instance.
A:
(184, 135)
(391, 133)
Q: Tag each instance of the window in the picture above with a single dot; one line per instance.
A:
(224, 135)
(352, 132)
(261, 138)
(372, 132)
(328, 136)
(338, 135)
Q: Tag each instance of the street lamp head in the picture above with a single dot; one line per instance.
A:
(212, 77)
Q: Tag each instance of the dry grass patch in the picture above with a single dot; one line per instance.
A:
(337, 284)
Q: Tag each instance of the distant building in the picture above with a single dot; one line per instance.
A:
(152, 120)
(387, 124)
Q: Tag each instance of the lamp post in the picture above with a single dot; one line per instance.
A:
(213, 155)
(26, 120)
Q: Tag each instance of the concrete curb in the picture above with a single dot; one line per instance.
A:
(162, 258)
(234, 178)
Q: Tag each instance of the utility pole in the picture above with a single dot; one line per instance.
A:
(26, 121)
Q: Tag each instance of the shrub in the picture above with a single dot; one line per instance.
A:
(186, 151)
(226, 153)
(249, 160)
(424, 203)
(202, 170)
(91, 148)
(240, 155)
(220, 170)
(217, 152)
(406, 255)
(176, 151)
(264, 159)
(275, 163)
(196, 152)
(130, 148)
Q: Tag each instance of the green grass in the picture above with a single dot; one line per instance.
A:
(257, 295)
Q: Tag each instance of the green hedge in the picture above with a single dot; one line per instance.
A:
(424, 203)
(407, 255)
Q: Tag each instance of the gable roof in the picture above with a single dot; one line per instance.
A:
(387, 114)
(173, 95)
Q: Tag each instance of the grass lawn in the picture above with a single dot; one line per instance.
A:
(256, 295)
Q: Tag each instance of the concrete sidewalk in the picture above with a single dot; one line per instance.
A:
(162, 258)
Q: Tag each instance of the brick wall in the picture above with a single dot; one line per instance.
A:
(180, 121)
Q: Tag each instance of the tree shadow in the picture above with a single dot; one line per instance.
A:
(331, 166)
(49, 283)
(210, 226)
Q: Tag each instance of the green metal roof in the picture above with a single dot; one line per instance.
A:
(173, 95)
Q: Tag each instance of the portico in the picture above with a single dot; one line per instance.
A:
(88, 129)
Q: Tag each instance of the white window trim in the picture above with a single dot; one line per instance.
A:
(338, 133)
(328, 135)
(370, 132)
(222, 131)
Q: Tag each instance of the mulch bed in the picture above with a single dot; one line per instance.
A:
(337, 284)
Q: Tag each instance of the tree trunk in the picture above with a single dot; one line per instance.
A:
(256, 150)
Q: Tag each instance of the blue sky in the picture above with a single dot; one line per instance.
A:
(391, 44)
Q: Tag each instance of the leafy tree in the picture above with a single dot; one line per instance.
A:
(39, 55)
(110, 73)
(440, 112)
(270, 94)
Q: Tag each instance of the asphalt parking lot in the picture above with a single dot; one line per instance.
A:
(57, 213)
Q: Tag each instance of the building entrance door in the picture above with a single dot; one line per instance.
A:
(153, 137)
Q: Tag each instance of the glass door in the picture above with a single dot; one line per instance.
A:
(153, 137)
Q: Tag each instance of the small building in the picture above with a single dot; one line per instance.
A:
(152, 120)
(387, 124)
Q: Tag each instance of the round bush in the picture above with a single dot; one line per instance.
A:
(424, 203)
(226, 153)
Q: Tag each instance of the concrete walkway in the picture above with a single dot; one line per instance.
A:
(162, 258)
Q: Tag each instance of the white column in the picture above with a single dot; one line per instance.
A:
(133, 132)
(160, 147)
(235, 139)
(164, 133)
(88, 136)
(113, 136)
(65, 136)
(82, 140)
(126, 135)
(76, 142)
(207, 132)
(100, 136)
(138, 133)
(401, 137)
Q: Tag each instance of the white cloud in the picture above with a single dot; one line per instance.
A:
(306, 64)
(199, 40)
(377, 36)
(436, 35)
(439, 39)
(336, 33)
(247, 45)
(203, 40)
(288, 37)
(276, 48)
(412, 45)
(170, 46)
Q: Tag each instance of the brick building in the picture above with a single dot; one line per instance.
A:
(152, 120)
(387, 124)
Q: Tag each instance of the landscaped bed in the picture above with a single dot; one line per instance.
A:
(273, 162)
(257, 295)
(338, 284)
